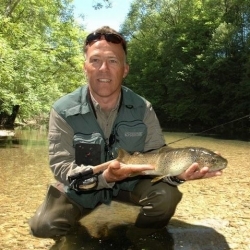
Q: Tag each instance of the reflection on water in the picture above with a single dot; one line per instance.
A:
(116, 240)
(212, 208)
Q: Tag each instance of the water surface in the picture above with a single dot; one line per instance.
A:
(217, 209)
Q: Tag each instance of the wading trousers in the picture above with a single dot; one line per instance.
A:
(58, 214)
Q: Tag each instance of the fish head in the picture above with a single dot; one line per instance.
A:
(211, 160)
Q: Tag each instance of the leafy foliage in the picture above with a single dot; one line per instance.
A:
(99, 5)
(40, 54)
(191, 59)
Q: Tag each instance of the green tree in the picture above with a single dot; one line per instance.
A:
(40, 54)
(191, 59)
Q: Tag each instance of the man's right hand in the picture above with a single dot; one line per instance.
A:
(118, 171)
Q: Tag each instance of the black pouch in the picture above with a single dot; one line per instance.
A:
(88, 154)
(89, 149)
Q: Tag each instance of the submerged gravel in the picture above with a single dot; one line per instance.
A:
(213, 214)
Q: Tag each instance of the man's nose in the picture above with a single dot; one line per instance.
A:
(104, 66)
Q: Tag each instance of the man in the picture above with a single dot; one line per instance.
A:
(86, 129)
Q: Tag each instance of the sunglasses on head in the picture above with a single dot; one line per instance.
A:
(109, 37)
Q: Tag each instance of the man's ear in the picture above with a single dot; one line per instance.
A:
(126, 70)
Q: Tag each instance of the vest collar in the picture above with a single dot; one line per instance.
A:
(85, 104)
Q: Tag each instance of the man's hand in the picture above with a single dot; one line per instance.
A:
(194, 173)
(118, 171)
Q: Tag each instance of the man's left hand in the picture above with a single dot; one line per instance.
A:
(194, 173)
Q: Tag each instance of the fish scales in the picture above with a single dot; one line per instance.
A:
(174, 161)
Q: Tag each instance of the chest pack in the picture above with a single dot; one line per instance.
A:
(91, 148)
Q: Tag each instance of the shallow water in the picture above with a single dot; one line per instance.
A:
(215, 209)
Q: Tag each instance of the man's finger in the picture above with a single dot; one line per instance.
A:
(115, 164)
(129, 169)
(213, 174)
(134, 168)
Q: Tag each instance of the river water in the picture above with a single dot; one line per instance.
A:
(217, 209)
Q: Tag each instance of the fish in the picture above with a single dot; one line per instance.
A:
(174, 161)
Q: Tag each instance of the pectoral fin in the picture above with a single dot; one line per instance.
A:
(158, 178)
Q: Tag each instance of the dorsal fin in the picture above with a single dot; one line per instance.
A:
(122, 154)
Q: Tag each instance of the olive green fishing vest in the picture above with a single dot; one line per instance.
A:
(129, 132)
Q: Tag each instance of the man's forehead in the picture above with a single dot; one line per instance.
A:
(104, 47)
(101, 53)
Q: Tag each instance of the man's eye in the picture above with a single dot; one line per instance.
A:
(113, 61)
(93, 60)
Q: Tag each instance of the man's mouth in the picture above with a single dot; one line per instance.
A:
(104, 80)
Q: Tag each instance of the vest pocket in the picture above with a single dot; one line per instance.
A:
(89, 148)
(131, 135)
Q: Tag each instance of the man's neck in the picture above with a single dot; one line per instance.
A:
(107, 104)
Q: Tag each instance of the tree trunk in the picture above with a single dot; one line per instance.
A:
(7, 121)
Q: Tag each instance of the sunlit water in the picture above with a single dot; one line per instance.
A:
(217, 209)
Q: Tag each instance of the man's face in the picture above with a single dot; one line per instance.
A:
(105, 67)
